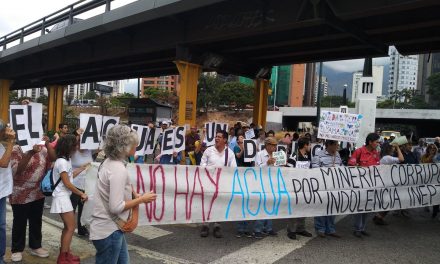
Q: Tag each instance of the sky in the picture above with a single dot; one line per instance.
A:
(18, 13)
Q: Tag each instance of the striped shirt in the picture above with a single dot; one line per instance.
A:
(325, 159)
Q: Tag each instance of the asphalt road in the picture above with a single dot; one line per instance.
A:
(413, 239)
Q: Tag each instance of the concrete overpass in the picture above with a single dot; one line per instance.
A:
(160, 37)
(426, 121)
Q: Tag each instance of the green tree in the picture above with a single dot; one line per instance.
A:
(334, 101)
(235, 94)
(43, 99)
(434, 86)
(90, 95)
(119, 100)
(207, 89)
(13, 96)
(157, 94)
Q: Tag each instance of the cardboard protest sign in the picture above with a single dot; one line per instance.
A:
(107, 123)
(250, 134)
(142, 132)
(35, 122)
(250, 150)
(339, 126)
(167, 144)
(315, 148)
(280, 158)
(91, 137)
(282, 147)
(194, 194)
(211, 130)
(294, 148)
(20, 124)
(151, 140)
(179, 139)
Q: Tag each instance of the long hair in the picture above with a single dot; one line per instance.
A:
(65, 146)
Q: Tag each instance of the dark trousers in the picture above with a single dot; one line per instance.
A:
(32, 212)
(76, 202)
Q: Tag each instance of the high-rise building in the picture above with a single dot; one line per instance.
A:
(428, 64)
(169, 83)
(309, 85)
(403, 71)
(77, 91)
(377, 79)
(33, 93)
(324, 88)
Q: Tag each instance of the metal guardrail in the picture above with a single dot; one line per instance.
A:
(67, 13)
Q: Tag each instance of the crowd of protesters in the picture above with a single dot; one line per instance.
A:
(116, 202)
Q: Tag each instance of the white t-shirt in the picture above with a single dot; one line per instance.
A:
(211, 157)
(79, 158)
(5, 177)
(389, 160)
(62, 165)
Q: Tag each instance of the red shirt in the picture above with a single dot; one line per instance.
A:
(364, 158)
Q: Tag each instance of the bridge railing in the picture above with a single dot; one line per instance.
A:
(65, 14)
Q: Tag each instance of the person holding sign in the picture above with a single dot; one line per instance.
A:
(190, 143)
(7, 141)
(302, 161)
(325, 225)
(27, 200)
(264, 158)
(365, 156)
(218, 155)
(115, 197)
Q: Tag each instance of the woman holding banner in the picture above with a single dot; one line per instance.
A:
(325, 225)
(27, 200)
(115, 197)
(365, 156)
(7, 141)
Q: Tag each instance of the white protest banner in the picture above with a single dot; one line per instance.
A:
(280, 158)
(250, 134)
(211, 130)
(18, 115)
(107, 123)
(250, 150)
(339, 126)
(193, 194)
(142, 132)
(91, 137)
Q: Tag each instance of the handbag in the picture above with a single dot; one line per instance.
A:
(133, 217)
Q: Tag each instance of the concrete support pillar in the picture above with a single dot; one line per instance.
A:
(189, 76)
(4, 99)
(55, 107)
(260, 102)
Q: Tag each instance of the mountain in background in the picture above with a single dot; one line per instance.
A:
(337, 79)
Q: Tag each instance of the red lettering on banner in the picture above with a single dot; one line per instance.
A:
(139, 184)
(154, 178)
(176, 192)
(202, 195)
(216, 184)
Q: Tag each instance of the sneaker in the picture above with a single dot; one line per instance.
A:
(17, 256)
(357, 234)
(291, 235)
(204, 232)
(304, 233)
(248, 234)
(365, 233)
(83, 231)
(258, 235)
(335, 235)
(379, 221)
(217, 232)
(321, 234)
(40, 252)
(272, 233)
(239, 234)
